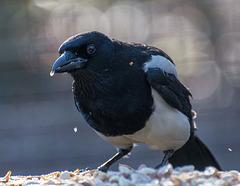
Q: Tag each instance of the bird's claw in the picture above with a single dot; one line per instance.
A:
(103, 168)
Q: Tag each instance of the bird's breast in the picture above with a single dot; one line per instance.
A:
(122, 110)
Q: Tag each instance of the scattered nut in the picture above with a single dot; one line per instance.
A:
(147, 171)
(210, 171)
(7, 176)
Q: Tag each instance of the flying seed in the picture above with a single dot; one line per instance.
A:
(230, 149)
(75, 129)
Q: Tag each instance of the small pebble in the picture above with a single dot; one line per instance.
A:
(200, 181)
(176, 180)
(165, 170)
(147, 171)
(229, 179)
(114, 179)
(141, 166)
(167, 183)
(210, 171)
(102, 176)
(123, 181)
(124, 169)
(234, 173)
(140, 178)
(98, 182)
(85, 184)
(187, 168)
(155, 182)
(64, 175)
(190, 176)
(49, 182)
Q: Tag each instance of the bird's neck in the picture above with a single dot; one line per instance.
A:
(88, 85)
(84, 84)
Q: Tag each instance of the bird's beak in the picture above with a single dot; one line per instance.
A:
(67, 62)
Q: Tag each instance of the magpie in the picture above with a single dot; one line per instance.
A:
(130, 93)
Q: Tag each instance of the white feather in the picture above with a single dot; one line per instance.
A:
(166, 129)
(161, 63)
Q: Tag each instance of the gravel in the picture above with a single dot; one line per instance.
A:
(126, 176)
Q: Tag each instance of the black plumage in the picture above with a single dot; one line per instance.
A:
(113, 90)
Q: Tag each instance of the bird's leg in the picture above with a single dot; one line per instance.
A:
(121, 152)
(167, 155)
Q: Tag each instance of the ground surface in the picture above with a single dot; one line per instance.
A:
(127, 176)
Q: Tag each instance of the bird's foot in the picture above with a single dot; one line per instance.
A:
(160, 165)
(103, 168)
(167, 155)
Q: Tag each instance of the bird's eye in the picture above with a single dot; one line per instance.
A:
(91, 49)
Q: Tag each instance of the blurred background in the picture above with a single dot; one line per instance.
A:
(40, 129)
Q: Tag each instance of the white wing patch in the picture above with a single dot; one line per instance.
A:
(162, 63)
(167, 128)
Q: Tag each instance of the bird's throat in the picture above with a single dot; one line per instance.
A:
(86, 84)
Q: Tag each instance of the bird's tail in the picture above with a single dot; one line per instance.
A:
(194, 152)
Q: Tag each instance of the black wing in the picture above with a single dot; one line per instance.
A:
(171, 90)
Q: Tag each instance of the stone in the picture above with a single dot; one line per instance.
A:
(65, 175)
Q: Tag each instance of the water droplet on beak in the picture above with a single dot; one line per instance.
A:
(52, 73)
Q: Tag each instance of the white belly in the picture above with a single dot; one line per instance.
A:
(166, 129)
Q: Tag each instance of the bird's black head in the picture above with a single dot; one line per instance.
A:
(87, 50)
